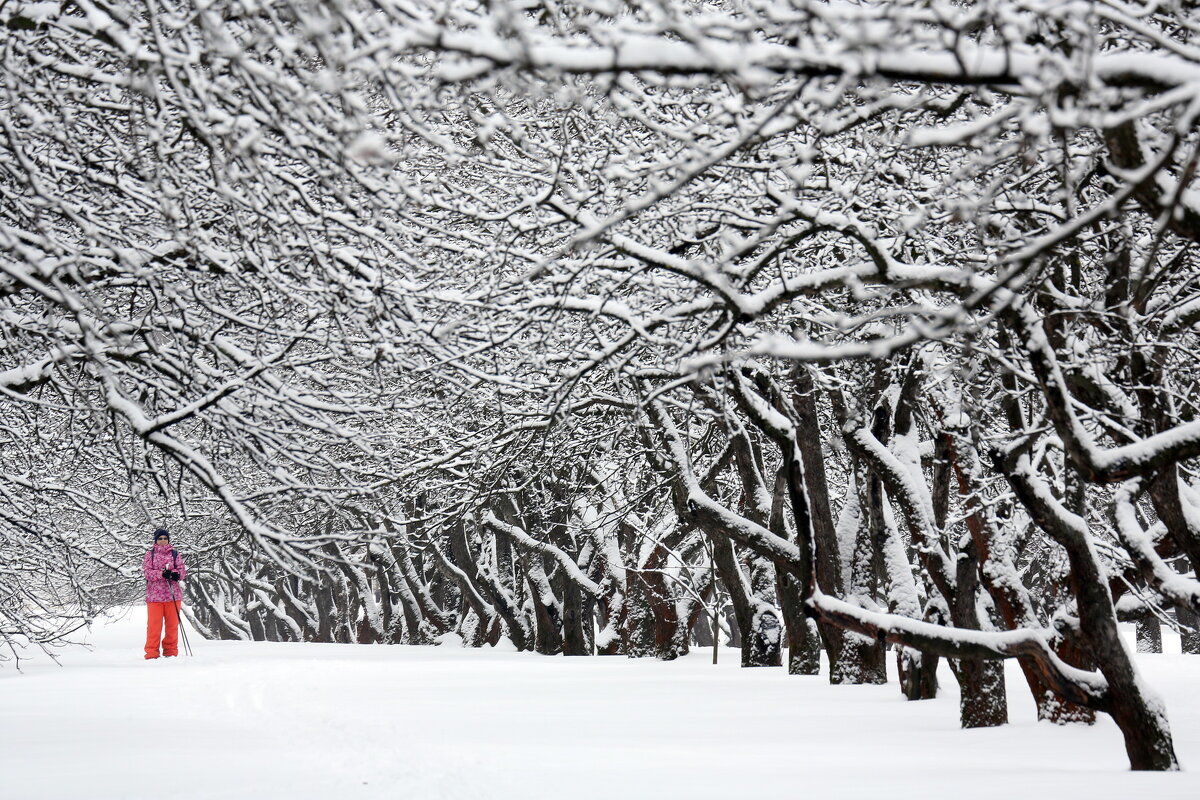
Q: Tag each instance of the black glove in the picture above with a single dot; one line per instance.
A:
(170, 575)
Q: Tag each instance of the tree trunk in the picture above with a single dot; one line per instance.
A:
(668, 644)
(1139, 715)
(638, 624)
(731, 622)
(574, 641)
(761, 631)
(1149, 634)
(803, 637)
(1189, 631)
(1011, 598)
(548, 635)
(918, 673)
(983, 699)
(863, 661)
(862, 658)
(258, 631)
(326, 609)
(828, 565)
(1053, 707)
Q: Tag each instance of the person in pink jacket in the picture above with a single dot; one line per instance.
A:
(164, 568)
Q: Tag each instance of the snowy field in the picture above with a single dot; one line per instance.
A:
(301, 721)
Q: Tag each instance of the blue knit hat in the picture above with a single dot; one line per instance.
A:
(162, 532)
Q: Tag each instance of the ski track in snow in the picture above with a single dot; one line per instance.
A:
(304, 721)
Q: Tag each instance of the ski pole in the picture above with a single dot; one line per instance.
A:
(187, 647)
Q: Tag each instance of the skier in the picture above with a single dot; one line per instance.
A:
(164, 569)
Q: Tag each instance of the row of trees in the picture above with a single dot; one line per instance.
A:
(569, 324)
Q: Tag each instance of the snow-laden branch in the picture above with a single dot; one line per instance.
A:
(519, 537)
(1178, 589)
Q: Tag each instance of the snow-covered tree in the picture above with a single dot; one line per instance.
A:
(564, 322)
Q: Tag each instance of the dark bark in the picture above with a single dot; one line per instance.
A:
(661, 601)
(271, 627)
(1147, 737)
(546, 609)
(702, 634)
(735, 632)
(587, 624)
(1149, 634)
(918, 673)
(1114, 468)
(864, 659)
(871, 628)
(611, 605)
(496, 596)
(637, 631)
(428, 597)
(417, 623)
(254, 617)
(828, 566)
(1052, 706)
(998, 575)
(1189, 631)
(218, 620)
(1164, 494)
(983, 701)
(1127, 153)
(360, 596)
(286, 589)
(470, 599)
(326, 610)
(852, 659)
(760, 628)
(803, 637)
(575, 642)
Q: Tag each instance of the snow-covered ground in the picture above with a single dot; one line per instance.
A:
(301, 721)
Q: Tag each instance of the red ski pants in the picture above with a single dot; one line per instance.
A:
(156, 615)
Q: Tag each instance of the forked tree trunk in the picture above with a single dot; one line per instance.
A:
(761, 629)
(1138, 714)
(548, 636)
(1011, 598)
(668, 643)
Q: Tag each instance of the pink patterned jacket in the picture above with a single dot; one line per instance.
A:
(158, 588)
